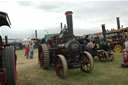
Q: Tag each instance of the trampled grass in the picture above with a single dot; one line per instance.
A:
(109, 73)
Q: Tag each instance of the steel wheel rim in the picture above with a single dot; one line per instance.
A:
(86, 64)
(59, 68)
(103, 57)
(110, 56)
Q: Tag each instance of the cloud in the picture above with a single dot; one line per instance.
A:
(90, 12)
(24, 3)
(87, 15)
(48, 7)
(52, 6)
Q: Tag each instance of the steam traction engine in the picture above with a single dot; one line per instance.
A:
(108, 54)
(103, 49)
(65, 52)
(7, 59)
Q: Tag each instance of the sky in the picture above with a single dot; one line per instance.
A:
(46, 15)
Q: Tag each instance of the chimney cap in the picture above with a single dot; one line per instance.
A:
(68, 13)
(102, 24)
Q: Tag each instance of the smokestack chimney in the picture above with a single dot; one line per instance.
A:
(61, 26)
(6, 40)
(118, 22)
(36, 34)
(121, 26)
(104, 32)
(69, 23)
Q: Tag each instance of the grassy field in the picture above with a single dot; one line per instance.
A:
(109, 73)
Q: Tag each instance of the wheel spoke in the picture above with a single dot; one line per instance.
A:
(103, 56)
(61, 66)
(88, 68)
(87, 65)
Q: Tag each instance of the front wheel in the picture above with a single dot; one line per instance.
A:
(110, 56)
(61, 66)
(103, 56)
(87, 62)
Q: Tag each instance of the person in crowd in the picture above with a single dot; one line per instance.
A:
(97, 39)
(27, 51)
(126, 43)
(43, 41)
(87, 38)
(90, 46)
(31, 51)
(85, 43)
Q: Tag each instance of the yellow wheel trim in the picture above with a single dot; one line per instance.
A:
(118, 48)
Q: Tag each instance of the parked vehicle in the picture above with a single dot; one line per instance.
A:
(64, 52)
(7, 57)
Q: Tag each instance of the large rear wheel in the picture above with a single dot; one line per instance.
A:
(43, 56)
(61, 66)
(9, 62)
(87, 62)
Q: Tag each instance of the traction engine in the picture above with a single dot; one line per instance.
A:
(105, 53)
(7, 57)
(64, 52)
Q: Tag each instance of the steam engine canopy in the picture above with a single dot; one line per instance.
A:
(73, 48)
(4, 19)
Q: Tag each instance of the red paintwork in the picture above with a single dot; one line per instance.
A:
(113, 31)
(4, 20)
(113, 42)
(15, 72)
(2, 78)
(53, 39)
(125, 57)
(124, 64)
(125, 54)
(2, 74)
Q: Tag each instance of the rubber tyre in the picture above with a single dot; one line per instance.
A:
(91, 62)
(64, 66)
(9, 62)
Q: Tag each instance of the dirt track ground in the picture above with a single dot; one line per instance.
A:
(110, 73)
